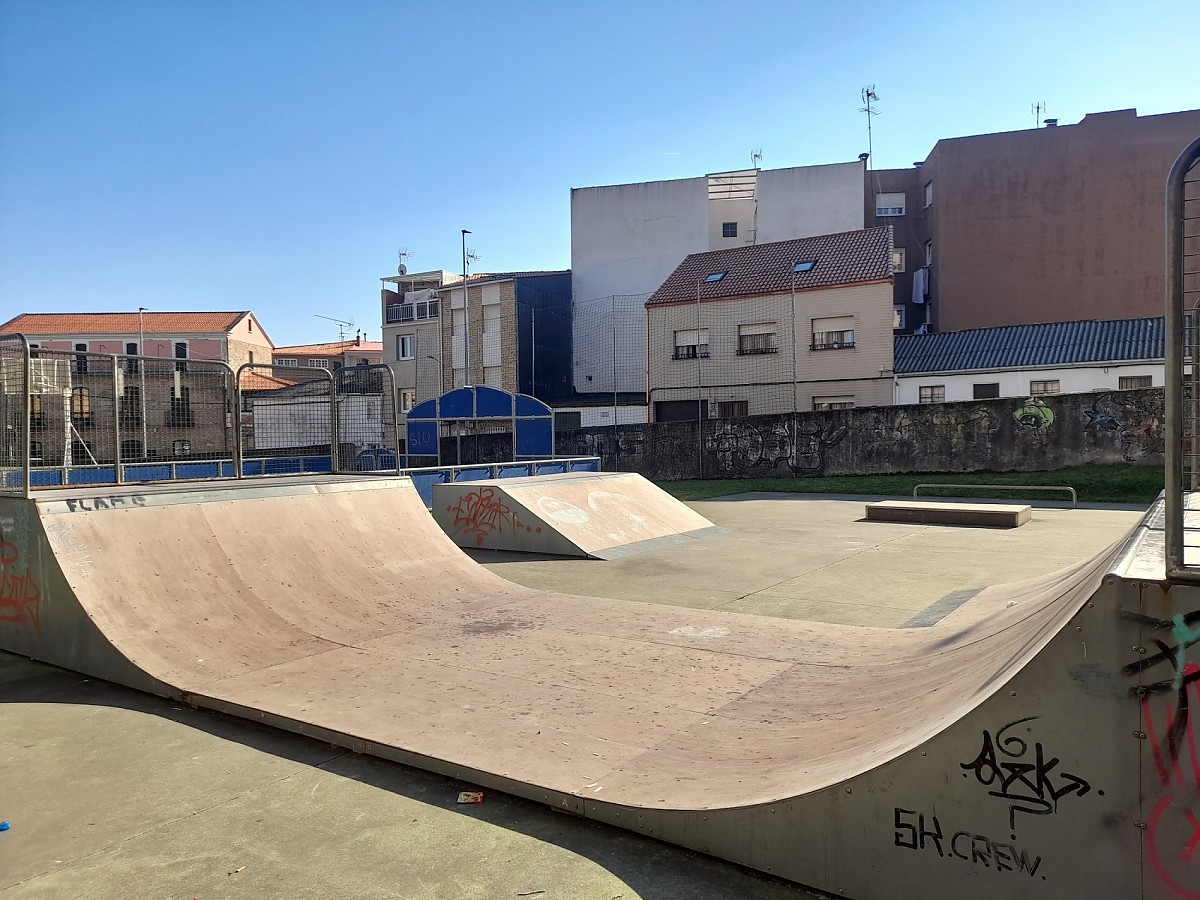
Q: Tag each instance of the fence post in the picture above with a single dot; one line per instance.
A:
(26, 416)
(335, 447)
(118, 477)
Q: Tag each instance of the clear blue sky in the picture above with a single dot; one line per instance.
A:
(273, 155)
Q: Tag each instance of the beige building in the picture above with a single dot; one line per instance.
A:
(412, 335)
(772, 328)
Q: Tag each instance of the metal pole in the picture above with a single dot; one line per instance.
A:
(699, 394)
(142, 369)
(116, 381)
(335, 449)
(466, 315)
(237, 418)
(26, 416)
(795, 353)
(1175, 361)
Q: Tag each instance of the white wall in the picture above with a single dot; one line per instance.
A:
(599, 416)
(1015, 382)
(809, 200)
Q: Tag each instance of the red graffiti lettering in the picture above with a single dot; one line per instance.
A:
(482, 513)
(20, 599)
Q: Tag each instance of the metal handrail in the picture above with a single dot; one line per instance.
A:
(1176, 566)
(1005, 487)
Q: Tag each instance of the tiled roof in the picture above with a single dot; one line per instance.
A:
(1049, 344)
(258, 381)
(851, 257)
(122, 322)
(333, 348)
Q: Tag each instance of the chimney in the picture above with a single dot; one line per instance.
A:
(1052, 123)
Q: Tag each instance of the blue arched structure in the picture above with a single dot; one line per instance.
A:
(532, 420)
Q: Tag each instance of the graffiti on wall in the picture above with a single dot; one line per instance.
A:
(916, 831)
(20, 598)
(482, 513)
(1033, 417)
(1134, 418)
(1166, 705)
(742, 446)
(1019, 771)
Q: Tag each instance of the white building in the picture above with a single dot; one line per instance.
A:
(626, 239)
(1030, 360)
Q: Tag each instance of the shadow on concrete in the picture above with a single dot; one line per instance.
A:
(654, 869)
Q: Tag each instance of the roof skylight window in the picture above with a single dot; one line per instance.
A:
(713, 277)
(804, 266)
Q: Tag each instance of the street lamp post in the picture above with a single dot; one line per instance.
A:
(466, 315)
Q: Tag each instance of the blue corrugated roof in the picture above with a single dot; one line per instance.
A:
(1048, 344)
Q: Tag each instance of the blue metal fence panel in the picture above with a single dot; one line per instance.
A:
(459, 404)
(515, 471)
(478, 473)
(491, 403)
(424, 482)
(535, 437)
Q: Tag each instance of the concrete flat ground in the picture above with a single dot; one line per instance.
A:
(115, 794)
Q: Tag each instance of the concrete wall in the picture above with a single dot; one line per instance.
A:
(1015, 382)
(995, 435)
(809, 200)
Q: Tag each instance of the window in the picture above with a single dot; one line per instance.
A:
(493, 376)
(929, 253)
(933, 393)
(728, 229)
(567, 421)
(35, 451)
(491, 319)
(37, 417)
(1133, 382)
(691, 344)
(181, 353)
(898, 259)
(756, 339)
(834, 333)
(131, 449)
(804, 265)
(407, 400)
(81, 361)
(986, 391)
(928, 194)
(898, 317)
(714, 277)
(181, 448)
(286, 361)
(729, 409)
(180, 414)
(889, 204)
(1037, 388)
(130, 406)
(406, 346)
(824, 404)
(132, 366)
(251, 357)
(318, 364)
(407, 313)
(81, 406)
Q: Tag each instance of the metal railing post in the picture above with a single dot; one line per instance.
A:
(335, 446)
(118, 477)
(26, 417)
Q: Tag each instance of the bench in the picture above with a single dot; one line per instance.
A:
(988, 515)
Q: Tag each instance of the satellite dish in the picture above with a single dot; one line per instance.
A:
(402, 269)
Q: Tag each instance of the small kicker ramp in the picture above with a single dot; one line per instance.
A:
(604, 515)
(1037, 742)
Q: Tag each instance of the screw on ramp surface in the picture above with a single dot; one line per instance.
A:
(879, 763)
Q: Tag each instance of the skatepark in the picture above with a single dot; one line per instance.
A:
(871, 709)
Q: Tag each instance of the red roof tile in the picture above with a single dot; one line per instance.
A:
(259, 381)
(851, 257)
(122, 323)
(334, 348)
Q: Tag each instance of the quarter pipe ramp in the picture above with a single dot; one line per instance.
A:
(1037, 740)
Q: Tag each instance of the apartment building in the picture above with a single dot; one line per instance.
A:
(1059, 223)
(89, 409)
(509, 330)
(627, 238)
(412, 333)
(772, 328)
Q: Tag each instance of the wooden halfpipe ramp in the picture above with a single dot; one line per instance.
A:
(1038, 739)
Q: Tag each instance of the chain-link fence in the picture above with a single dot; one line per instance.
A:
(368, 437)
(14, 456)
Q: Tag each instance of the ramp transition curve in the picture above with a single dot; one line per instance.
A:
(1038, 739)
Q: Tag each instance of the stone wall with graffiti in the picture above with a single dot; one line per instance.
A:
(1031, 434)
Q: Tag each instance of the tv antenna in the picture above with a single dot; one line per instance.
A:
(1036, 111)
(472, 256)
(403, 254)
(341, 324)
(756, 158)
(869, 97)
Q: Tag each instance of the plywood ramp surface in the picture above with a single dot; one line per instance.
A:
(353, 612)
